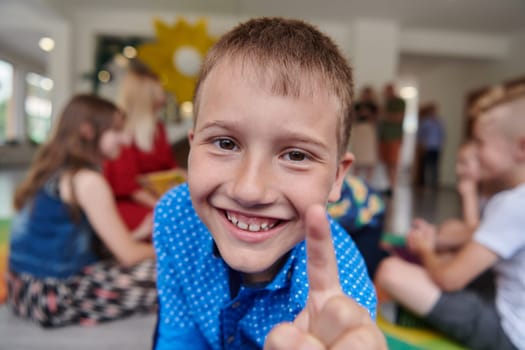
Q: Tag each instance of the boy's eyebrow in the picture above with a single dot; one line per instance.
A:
(295, 136)
(217, 124)
(290, 134)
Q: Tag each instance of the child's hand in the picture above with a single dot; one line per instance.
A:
(145, 229)
(467, 186)
(422, 237)
(330, 320)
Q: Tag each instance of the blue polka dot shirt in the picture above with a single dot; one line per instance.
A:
(196, 309)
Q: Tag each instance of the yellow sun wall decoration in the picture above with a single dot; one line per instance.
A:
(177, 54)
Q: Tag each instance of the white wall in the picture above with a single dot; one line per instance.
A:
(513, 65)
(88, 24)
(447, 85)
(447, 81)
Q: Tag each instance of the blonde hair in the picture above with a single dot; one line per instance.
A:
(500, 96)
(138, 95)
(293, 57)
(496, 96)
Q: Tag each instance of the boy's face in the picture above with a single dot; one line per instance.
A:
(496, 149)
(257, 162)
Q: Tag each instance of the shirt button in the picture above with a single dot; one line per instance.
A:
(230, 339)
(236, 305)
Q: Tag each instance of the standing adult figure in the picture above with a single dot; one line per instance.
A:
(141, 97)
(364, 141)
(431, 135)
(391, 131)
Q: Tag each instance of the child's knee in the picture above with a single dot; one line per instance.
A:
(386, 272)
(452, 226)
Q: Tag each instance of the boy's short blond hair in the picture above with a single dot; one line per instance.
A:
(497, 96)
(292, 57)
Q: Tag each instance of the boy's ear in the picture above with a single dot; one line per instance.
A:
(342, 169)
(190, 135)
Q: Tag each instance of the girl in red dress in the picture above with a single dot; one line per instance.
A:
(141, 96)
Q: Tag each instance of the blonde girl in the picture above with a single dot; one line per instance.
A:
(141, 96)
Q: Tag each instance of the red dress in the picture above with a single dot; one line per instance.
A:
(122, 174)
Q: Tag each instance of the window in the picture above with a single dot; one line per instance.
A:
(38, 107)
(6, 94)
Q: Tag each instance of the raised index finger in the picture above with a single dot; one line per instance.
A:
(322, 269)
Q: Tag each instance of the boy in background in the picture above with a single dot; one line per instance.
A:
(268, 151)
(435, 291)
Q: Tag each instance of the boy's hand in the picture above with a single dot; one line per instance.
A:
(330, 320)
(422, 237)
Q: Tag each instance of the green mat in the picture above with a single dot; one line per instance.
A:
(392, 239)
(406, 338)
(410, 338)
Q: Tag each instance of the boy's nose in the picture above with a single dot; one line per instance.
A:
(251, 183)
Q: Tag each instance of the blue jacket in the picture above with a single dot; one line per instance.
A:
(46, 241)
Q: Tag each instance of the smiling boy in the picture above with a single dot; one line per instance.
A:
(268, 152)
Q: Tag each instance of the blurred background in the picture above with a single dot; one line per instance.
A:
(443, 53)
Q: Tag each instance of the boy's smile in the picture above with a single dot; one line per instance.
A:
(257, 162)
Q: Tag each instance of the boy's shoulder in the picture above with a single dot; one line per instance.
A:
(174, 211)
(510, 197)
(176, 219)
(179, 194)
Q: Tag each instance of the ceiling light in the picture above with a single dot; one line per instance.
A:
(104, 76)
(46, 44)
(120, 60)
(129, 52)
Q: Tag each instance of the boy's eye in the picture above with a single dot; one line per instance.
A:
(296, 156)
(226, 144)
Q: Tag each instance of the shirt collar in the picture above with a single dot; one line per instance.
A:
(281, 280)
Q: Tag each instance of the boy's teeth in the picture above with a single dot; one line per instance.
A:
(242, 225)
(250, 227)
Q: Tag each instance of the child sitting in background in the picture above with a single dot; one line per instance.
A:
(141, 96)
(435, 291)
(267, 152)
(453, 233)
(55, 277)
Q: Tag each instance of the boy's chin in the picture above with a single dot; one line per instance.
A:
(255, 269)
